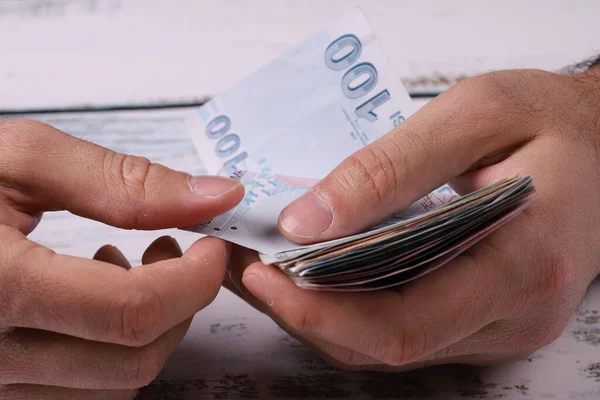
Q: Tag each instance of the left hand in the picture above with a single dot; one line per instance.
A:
(501, 300)
(75, 328)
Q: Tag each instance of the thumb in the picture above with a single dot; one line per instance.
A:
(47, 169)
(450, 135)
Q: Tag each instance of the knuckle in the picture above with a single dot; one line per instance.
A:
(341, 357)
(391, 347)
(140, 317)
(490, 95)
(134, 171)
(557, 279)
(306, 320)
(349, 359)
(141, 367)
(371, 171)
(395, 347)
(400, 345)
(544, 333)
(130, 173)
(416, 145)
(506, 94)
(16, 253)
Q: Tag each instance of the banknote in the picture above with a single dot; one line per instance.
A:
(291, 123)
(306, 111)
(253, 222)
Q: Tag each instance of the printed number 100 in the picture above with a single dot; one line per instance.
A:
(341, 54)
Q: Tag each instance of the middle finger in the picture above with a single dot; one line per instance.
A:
(45, 358)
(395, 327)
(103, 302)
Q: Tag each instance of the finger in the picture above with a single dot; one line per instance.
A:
(53, 170)
(530, 158)
(163, 248)
(111, 254)
(447, 137)
(46, 358)
(241, 258)
(335, 354)
(492, 344)
(103, 302)
(501, 341)
(39, 392)
(479, 349)
(24, 222)
(395, 327)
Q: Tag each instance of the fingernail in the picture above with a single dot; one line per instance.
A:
(307, 217)
(121, 259)
(212, 186)
(111, 254)
(175, 243)
(255, 285)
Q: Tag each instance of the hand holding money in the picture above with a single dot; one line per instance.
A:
(492, 301)
(335, 94)
(73, 327)
(499, 300)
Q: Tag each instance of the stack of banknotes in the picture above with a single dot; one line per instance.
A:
(292, 122)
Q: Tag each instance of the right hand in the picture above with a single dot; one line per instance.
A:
(73, 327)
(502, 299)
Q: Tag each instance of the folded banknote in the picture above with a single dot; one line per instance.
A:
(291, 123)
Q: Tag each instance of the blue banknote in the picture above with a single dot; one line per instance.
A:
(306, 111)
(300, 116)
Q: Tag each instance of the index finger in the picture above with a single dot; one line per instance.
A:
(103, 302)
(394, 327)
(447, 137)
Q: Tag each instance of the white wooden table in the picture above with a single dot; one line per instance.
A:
(96, 55)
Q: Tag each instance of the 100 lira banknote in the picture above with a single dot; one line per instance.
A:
(300, 116)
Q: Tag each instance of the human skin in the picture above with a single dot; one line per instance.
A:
(502, 299)
(96, 328)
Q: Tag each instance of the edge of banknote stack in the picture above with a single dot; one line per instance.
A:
(405, 250)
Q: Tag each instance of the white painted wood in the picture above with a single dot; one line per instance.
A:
(232, 351)
(65, 53)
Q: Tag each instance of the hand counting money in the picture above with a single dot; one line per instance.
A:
(299, 117)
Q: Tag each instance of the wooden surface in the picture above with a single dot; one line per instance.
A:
(92, 53)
